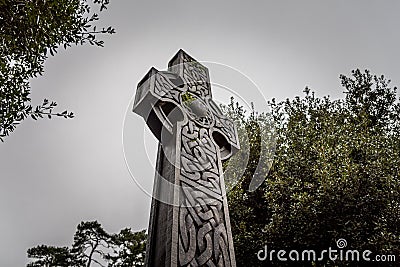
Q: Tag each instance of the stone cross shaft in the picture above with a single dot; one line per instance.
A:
(189, 220)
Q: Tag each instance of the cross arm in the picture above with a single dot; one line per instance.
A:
(224, 132)
(157, 96)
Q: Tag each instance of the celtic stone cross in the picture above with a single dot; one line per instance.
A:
(189, 220)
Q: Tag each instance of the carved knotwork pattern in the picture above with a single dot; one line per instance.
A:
(196, 77)
(197, 110)
(202, 234)
(163, 87)
(197, 231)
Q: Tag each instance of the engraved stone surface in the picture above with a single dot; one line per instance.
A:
(189, 220)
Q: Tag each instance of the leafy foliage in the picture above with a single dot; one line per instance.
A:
(335, 175)
(51, 256)
(130, 250)
(93, 245)
(30, 31)
(248, 209)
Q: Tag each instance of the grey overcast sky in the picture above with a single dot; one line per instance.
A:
(56, 173)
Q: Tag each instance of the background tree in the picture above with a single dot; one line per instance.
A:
(248, 211)
(93, 246)
(52, 256)
(129, 249)
(30, 31)
(335, 175)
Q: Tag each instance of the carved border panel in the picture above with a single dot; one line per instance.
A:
(203, 237)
